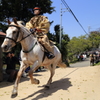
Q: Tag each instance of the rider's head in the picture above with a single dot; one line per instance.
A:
(37, 10)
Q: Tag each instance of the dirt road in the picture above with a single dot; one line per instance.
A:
(83, 63)
(68, 84)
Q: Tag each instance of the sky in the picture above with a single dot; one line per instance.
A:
(86, 11)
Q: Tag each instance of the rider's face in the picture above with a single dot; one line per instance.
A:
(36, 12)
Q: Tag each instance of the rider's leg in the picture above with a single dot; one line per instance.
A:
(49, 49)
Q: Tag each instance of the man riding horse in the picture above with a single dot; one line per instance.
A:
(32, 53)
(40, 24)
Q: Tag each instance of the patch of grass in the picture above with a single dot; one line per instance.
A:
(1, 95)
(92, 90)
(97, 63)
(85, 92)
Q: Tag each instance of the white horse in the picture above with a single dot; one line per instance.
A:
(31, 54)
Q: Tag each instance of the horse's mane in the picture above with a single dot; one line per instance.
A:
(22, 25)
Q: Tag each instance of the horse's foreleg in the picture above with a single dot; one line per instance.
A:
(52, 72)
(33, 80)
(15, 88)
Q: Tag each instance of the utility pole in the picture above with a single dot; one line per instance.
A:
(60, 38)
(61, 13)
(89, 29)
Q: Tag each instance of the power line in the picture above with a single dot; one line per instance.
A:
(68, 8)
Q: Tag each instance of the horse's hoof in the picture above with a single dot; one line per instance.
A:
(35, 81)
(47, 87)
(14, 95)
(38, 82)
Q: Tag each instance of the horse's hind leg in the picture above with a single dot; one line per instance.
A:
(52, 72)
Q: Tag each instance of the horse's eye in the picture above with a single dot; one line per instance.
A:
(14, 31)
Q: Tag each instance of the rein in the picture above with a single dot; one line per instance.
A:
(21, 39)
(30, 49)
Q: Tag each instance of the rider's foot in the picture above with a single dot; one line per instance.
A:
(50, 55)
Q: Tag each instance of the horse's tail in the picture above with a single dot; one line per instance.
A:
(61, 64)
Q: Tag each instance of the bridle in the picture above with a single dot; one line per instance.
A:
(15, 40)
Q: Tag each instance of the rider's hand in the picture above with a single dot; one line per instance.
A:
(39, 30)
(33, 30)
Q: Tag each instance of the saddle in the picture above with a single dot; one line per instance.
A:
(47, 54)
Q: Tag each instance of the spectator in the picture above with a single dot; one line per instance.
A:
(11, 62)
(84, 56)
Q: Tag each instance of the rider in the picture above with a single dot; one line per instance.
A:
(41, 25)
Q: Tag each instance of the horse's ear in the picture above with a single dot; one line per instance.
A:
(9, 21)
(15, 21)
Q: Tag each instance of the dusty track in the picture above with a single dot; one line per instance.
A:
(68, 84)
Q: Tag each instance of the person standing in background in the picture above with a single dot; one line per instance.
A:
(11, 62)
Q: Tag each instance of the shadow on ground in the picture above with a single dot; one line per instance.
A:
(55, 86)
(4, 83)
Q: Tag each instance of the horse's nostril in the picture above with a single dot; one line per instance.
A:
(5, 46)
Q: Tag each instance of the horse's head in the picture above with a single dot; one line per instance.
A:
(11, 38)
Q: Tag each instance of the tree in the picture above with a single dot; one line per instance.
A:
(64, 41)
(57, 31)
(22, 9)
(94, 37)
(64, 46)
(78, 45)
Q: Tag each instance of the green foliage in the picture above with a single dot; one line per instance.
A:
(78, 45)
(64, 47)
(97, 63)
(57, 31)
(64, 41)
(22, 9)
(94, 37)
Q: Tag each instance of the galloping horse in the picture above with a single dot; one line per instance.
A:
(31, 54)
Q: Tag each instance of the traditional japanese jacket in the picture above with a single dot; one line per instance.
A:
(39, 22)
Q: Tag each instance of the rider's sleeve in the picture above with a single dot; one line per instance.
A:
(29, 25)
(44, 25)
